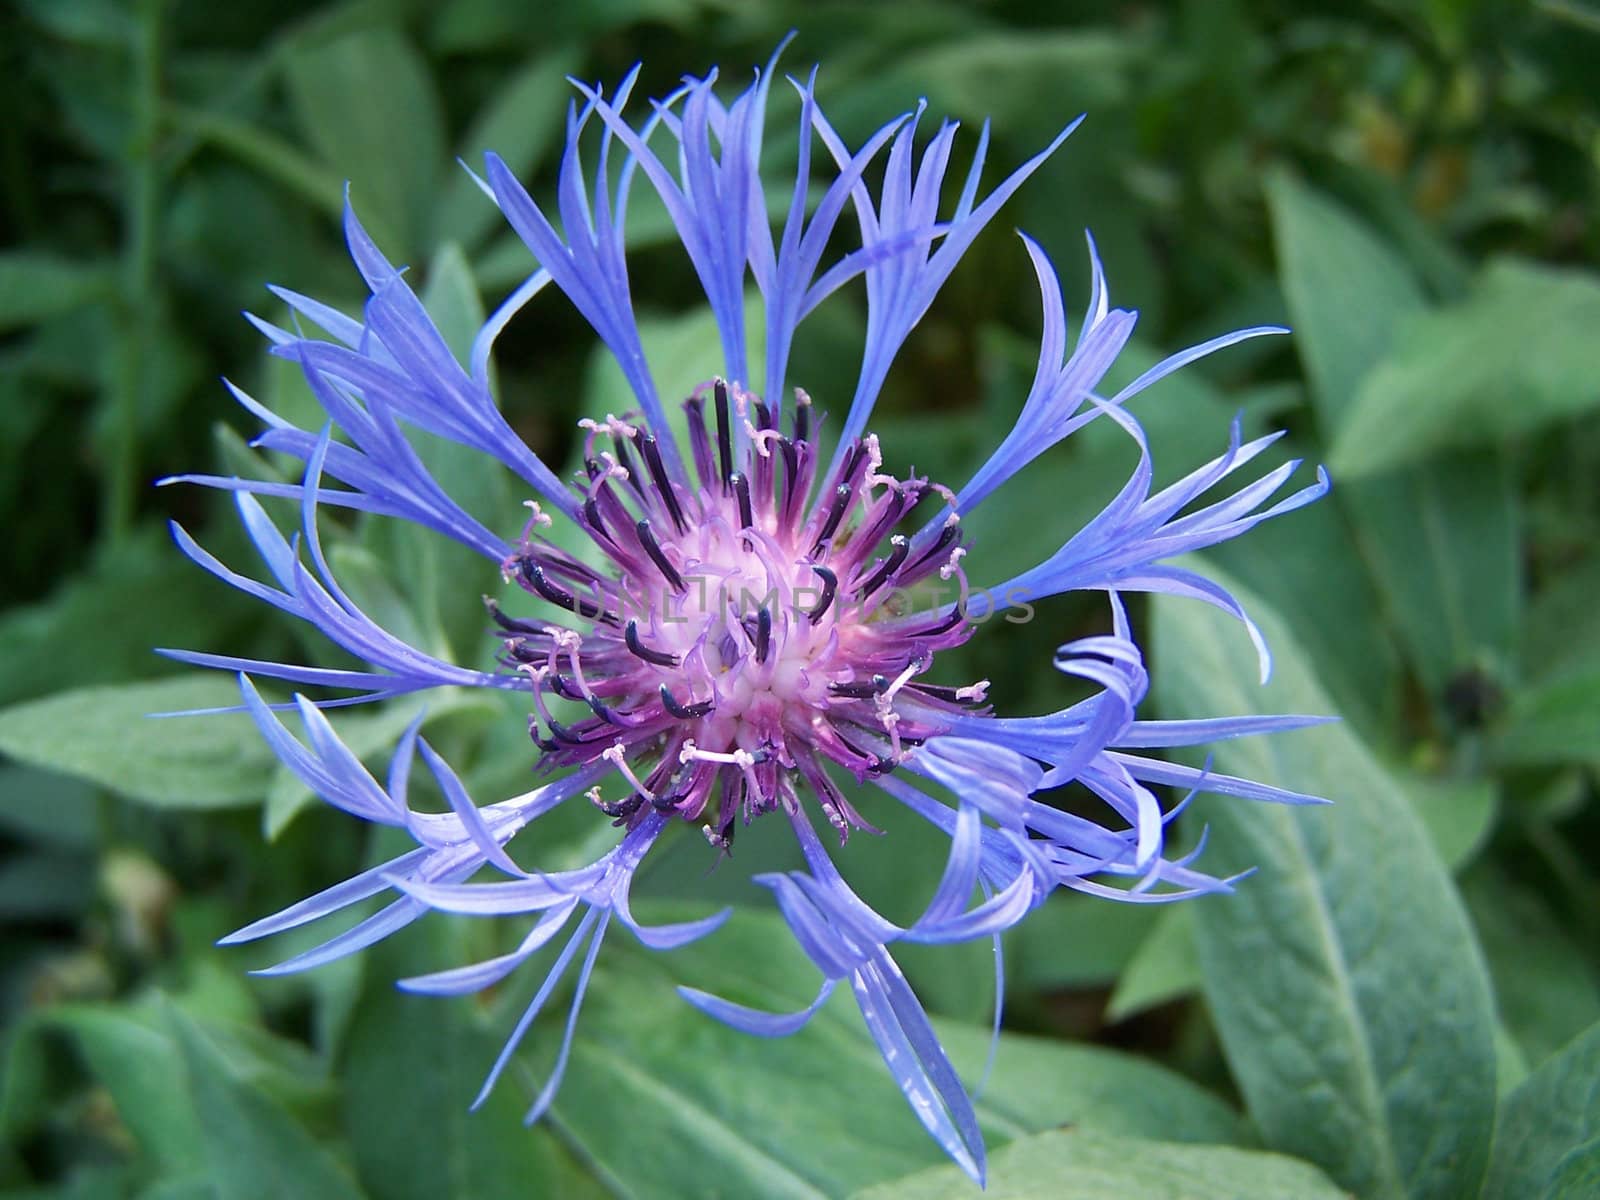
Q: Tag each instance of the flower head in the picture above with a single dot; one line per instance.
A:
(760, 623)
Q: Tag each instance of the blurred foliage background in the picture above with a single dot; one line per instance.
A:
(1412, 187)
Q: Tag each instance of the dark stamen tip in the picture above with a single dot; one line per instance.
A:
(763, 634)
(900, 546)
(741, 490)
(724, 429)
(684, 712)
(647, 539)
(830, 585)
(658, 657)
(842, 495)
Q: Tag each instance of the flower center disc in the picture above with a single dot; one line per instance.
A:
(744, 635)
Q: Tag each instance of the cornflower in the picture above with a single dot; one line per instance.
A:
(759, 619)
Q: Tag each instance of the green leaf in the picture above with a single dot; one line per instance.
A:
(1346, 290)
(691, 1084)
(1343, 977)
(411, 1070)
(130, 1050)
(1512, 359)
(1440, 540)
(271, 156)
(1577, 1176)
(46, 808)
(1002, 75)
(251, 1146)
(1310, 569)
(1075, 941)
(134, 1062)
(367, 103)
(35, 287)
(142, 588)
(1546, 987)
(523, 121)
(1088, 1165)
(1443, 543)
(1457, 813)
(1555, 1112)
(1553, 721)
(1166, 966)
(107, 736)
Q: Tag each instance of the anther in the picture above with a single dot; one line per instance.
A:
(684, 712)
(724, 431)
(853, 691)
(556, 594)
(842, 495)
(946, 535)
(830, 585)
(658, 657)
(900, 546)
(658, 556)
(741, 490)
(658, 472)
(763, 634)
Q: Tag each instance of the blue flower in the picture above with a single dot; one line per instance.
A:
(753, 631)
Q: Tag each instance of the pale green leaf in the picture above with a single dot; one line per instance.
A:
(1343, 976)
(107, 736)
(1555, 1112)
(1088, 1165)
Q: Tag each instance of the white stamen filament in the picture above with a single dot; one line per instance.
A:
(616, 755)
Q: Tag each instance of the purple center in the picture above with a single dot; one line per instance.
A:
(742, 635)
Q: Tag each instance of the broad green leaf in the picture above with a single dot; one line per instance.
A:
(692, 1083)
(520, 124)
(1075, 941)
(46, 808)
(1512, 359)
(133, 1060)
(1310, 568)
(367, 103)
(1545, 986)
(251, 1146)
(1350, 995)
(144, 590)
(1042, 1083)
(130, 1050)
(1457, 813)
(1082, 1164)
(1443, 543)
(1166, 966)
(1577, 1176)
(491, 25)
(1556, 720)
(107, 736)
(269, 155)
(1346, 291)
(46, 885)
(1002, 75)
(1440, 540)
(1555, 1112)
(36, 286)
(410, 1071)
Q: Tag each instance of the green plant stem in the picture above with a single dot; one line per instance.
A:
(134, 335)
